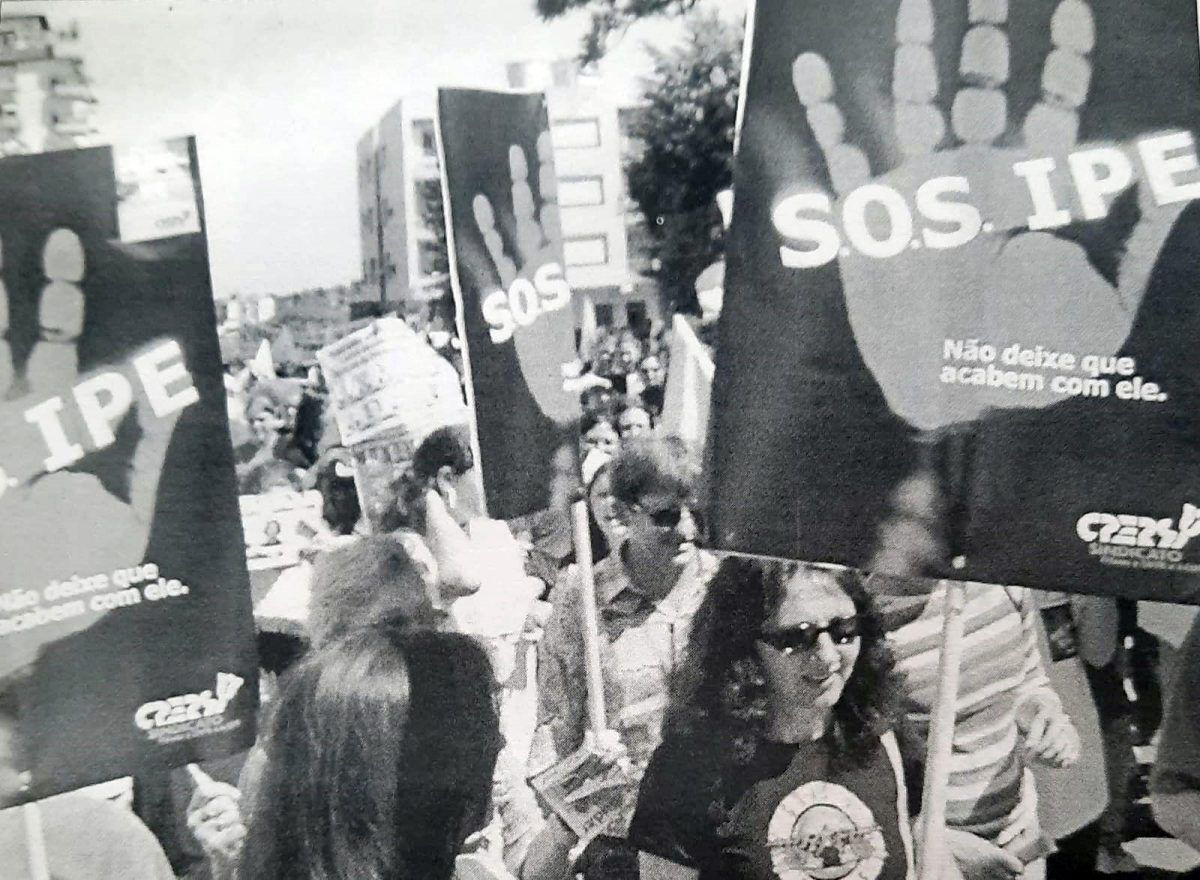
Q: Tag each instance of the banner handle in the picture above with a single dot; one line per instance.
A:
(941, 735)
(589, 619)
(35, 842)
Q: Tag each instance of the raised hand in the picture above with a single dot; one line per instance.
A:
(1005, 274)
(214, 816)
(532, 279)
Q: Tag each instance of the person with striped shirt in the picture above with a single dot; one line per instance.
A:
(1007, 714)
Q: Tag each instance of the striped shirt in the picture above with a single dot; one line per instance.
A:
(990, 793)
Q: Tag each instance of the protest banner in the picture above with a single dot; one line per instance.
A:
(125, 614)
(279, 525)
(389, 390)
(514, 303)
(386, 377)
(963, 243)
(377, 464)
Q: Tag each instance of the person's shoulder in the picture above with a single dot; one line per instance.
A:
(110, 833)
(688, 754)
(96, 812)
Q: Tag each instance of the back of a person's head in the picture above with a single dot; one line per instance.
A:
(446, 447)
(340, 506)
(379, 760)
(646, 465)
(366, 581)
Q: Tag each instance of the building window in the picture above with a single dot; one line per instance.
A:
(575, 192)
(589, 250)
(575, 134)
(425, 138)
(604, 314)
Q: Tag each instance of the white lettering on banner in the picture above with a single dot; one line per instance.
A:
(525, 301)
(807, 223)
(163, 366)
(185, 708)
(1128, 530)
(103, 399)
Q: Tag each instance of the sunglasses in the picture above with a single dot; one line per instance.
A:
(664, 517)
(804, 636)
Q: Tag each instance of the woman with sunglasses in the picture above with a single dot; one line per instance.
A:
(647, 590)
(778, 762)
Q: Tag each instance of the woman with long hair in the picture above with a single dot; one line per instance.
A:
(379, 761)
(779, 761)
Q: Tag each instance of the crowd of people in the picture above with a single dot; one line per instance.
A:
(761, 718)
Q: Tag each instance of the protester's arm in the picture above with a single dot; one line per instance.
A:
(459, 571)
(562, 690)
(215, 819)
(516, 805)
(1035, 682)
(974, 858)
(1050, 737)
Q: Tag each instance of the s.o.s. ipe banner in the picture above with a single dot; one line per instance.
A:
(126, 635)
(964, 233)
(510, 286)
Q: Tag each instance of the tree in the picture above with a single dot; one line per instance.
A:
(610, 17)
(685, 131)
(434, 253)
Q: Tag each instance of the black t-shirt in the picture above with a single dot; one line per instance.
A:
(787, 815)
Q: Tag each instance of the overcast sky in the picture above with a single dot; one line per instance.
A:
(278, 93)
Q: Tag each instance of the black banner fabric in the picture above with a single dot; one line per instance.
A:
(126, 633)
(512, 294)
(964, 239)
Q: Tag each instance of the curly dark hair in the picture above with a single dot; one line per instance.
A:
(723, 685)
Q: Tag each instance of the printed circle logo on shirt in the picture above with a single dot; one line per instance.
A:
(822, 831)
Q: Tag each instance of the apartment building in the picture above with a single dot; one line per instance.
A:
(401, 227)
(46, 101)
(399, 193)
(589, 148)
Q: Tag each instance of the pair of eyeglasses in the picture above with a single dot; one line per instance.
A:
(665, 517)
(804, 636)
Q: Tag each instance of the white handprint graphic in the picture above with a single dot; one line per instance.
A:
(531, 278)
(61, 311)
(56, 523)
(993, 275)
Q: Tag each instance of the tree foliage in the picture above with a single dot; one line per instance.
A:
(435, 256)
(685, 131)
(610, 17)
